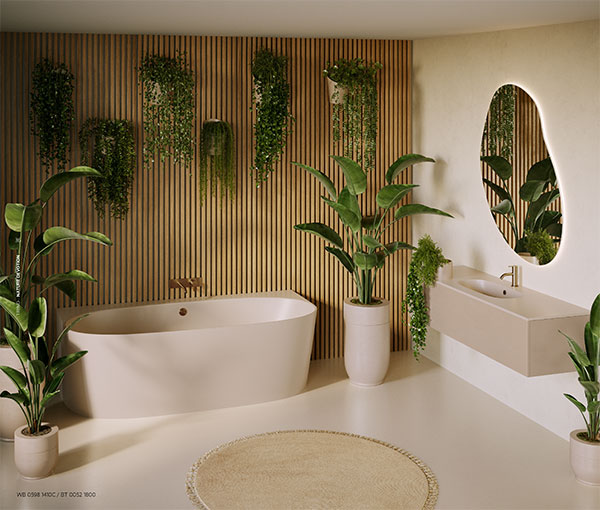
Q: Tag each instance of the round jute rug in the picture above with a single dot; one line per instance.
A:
(310, 469)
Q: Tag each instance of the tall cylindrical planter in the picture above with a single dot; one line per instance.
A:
(585, 459)
(11, 415)
(366, 342)
(36, 456)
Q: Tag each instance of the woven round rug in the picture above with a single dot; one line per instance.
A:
(314, 469)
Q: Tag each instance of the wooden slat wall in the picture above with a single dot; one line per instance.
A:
(529, 148)
(249, 244)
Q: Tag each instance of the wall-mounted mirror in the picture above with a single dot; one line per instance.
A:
(518, 176)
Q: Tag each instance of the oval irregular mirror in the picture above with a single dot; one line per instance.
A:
(518, 176)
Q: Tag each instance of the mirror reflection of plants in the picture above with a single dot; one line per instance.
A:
(422, 273)
(271, 97)
(217, 159)
(109, 147)
(51, 111)
(539, 191)
(355, 117)
(21, 297)
(168, 108)
(540, 245)
(363, 253)
(498, 131)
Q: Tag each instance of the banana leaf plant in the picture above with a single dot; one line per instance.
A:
(363, 253)
(587, 364)
(539, 191)
(22, 299)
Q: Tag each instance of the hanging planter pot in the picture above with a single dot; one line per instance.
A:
(337, 92)
(36, 455)
(217, 159)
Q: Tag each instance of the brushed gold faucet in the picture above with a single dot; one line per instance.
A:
(515, 276)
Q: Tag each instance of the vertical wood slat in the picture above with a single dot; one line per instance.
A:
(246, 245)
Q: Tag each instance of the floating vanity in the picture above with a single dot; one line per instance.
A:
(517, 327)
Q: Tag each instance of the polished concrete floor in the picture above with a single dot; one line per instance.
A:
(484, 454)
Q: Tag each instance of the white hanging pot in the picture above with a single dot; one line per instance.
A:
(585, 459)
(334, 87)
(446, 272)
(212, 150)
(366, 342)
(36, 456)
(11, 415)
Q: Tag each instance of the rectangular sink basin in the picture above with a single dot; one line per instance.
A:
(518, 328)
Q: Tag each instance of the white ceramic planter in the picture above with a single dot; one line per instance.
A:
(11, 415)
(366, 342)
(585, 459)
(36, 456)
(332, 88)
(528, 257)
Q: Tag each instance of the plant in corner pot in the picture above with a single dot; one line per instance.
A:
(363, 254)
(585, 444)
(22, 299)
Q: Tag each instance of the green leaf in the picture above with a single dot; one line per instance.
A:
(369, 223)
(555, 230)
(17, 377)
(13, 240)
(499, 190)
(321, 230)
(356, 179)
(595, 317)
(542, 171)
(54, 383)
(37, 371)
(410, 209)
(74, 274)
(343, 257)
(65, 331)
(580, 370)
(37, 317)
(62, 363)
(532, 190)
(366, 261)
(577, 351)
(349, 200)
(16, 311)
(394, 246)
(499, 165)
(594, 407)
(19, 346)
(37, 279)
(591, 387)
(504, 207)
(57, 234)
(55, 182)
(549, 218)
(371, 242)
(346, 215)
(404, 162)
(323, 179)
(537, 207)
(392, 194)
(576, 402)
(68, 288)
(19, 398)
(18, 216)
(592, 345)
(48, 396)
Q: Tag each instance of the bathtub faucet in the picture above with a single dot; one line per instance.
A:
(185, 283)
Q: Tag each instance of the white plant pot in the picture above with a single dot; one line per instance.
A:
(366, 342)
(528, 257)
(333, 87)
(11, 415)
(585, 459)
(36, 456)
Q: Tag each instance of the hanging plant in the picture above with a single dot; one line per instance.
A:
(499, 128)
(168, 109)
(217, 161)
(109, 147)
(51, 112)
(355, 114)
(270, 97)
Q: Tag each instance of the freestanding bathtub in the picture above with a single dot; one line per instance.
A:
(179, 357)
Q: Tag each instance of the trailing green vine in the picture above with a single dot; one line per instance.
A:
(271, 97)
(422, 272)
(109, 147)
(500, 123)
(51, 112)
(168, 92)
(217, 159)
(355, 115)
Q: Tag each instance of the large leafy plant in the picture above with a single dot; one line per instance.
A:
(587, 364)
(540, 190)
(355, 115)
(22, 298)
(363, 252)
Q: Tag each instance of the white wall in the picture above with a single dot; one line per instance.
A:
(454, 80)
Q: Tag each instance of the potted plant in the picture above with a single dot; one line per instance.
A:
(51, 111)
(540, 246)
(425, 264)
(217, 159)
(585, 443)
(168, 91)
(363, 254)
(36, 445)
(353, 93)
(271, 97)
(109, 147)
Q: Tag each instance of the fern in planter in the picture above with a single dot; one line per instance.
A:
(109, 147)
(217, 159)
(51, 112)
(271, 96)
(355, 117)
(168, 88)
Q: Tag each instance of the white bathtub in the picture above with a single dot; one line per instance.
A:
(150, 360)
